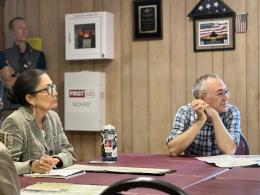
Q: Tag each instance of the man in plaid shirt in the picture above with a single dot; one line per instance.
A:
(209, 125)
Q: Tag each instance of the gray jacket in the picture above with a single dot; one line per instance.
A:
(26, 141)
(8, 180)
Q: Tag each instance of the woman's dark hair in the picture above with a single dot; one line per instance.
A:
(26, 84)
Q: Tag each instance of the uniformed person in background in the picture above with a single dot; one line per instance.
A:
(14, 60)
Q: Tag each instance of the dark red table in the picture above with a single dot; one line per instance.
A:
(241, 174)
(224, 187)
(194, 176)
(188, 171)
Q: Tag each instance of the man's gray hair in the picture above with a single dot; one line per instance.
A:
(199, 84)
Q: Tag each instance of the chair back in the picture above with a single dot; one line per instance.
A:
(243, 147)
(143, 182)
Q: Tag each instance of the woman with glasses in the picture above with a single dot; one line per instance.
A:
(209, 125)
(35, 133)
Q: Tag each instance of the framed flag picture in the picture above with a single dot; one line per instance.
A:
(214, 34)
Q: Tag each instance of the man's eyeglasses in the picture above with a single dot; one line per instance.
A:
(51, 88)
(221, 94)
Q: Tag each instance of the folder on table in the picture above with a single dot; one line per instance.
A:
(58, 173)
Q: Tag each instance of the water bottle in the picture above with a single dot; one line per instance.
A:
(109, 143)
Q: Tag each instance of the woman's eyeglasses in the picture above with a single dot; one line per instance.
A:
(51, 88)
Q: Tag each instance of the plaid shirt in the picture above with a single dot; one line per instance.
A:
(205, 143)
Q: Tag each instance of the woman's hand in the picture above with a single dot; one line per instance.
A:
(56, 161)
(44, 165)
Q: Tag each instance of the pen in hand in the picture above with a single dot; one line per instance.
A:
(53, 161)
(44, 165)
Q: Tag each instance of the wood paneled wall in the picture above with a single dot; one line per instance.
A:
(148, 80)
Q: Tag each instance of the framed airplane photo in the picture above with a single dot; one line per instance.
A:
(214, 34)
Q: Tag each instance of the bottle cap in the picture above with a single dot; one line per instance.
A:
(109, 126)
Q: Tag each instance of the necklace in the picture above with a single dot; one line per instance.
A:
(43, 133)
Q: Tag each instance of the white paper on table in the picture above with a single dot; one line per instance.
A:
(47, 188)
(57, 173)
(226, 161)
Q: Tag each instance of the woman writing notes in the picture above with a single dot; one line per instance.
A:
(35, 133)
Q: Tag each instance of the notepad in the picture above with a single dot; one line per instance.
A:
(58, 173)
(117, 169)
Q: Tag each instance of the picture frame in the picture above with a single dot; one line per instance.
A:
(147, 19)
(214, 34)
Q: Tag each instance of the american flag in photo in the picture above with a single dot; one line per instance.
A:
(220, 28)
(241, 23)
